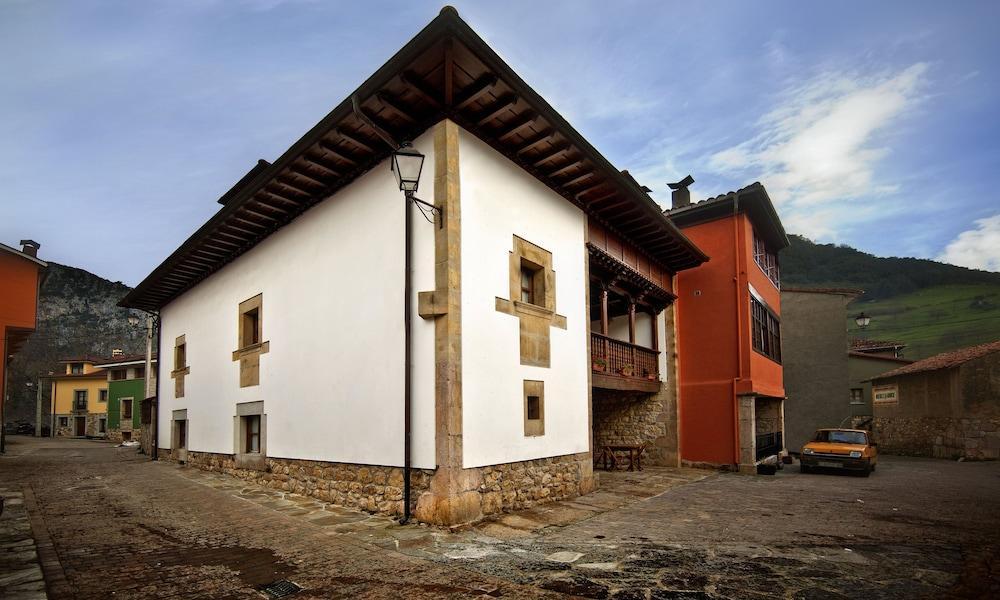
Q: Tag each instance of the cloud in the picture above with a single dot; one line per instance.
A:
(822, 144)
(977, 248)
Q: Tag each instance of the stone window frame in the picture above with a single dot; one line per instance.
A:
(537, 317)
(181, 367)
(534, 389)
(248, 351)
(244, 459)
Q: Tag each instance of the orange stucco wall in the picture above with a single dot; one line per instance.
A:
(18, 301)
(716, 359)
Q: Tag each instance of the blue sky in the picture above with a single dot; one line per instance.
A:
(873, 124)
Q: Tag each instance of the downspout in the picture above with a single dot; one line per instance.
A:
(739, 332)
(155, 418)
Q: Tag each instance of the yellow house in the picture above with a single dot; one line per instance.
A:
(80, 399)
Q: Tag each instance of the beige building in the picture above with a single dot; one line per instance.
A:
(79, 399)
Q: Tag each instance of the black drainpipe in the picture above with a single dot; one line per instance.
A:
(156, 402)
(407, 290)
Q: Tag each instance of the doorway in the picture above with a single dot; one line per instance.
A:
(81, 426)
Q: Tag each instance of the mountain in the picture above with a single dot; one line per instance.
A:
(930, 306)
(77, 316)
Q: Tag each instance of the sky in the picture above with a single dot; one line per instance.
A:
(871, 124)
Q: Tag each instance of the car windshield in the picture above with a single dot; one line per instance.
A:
(841, 437)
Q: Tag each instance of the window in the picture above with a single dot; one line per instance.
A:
(532, 283)
(126, 436)
(140, 372)
(76, 368)
(64, 421)
(102, 396)
(117, 374)
(766, 260)
(857, 396)
(180, 356)
(534, 408)
(80, 400)
(251, 426)
(250, 341)
(180, 365)
(181, 434)
(766, 330)
(126, 408)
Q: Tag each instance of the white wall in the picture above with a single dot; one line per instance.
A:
(500, 200)
(332, 284)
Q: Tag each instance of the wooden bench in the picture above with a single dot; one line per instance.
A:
(608, 456)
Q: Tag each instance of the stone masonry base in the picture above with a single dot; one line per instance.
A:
(973, 438)
(379, 489)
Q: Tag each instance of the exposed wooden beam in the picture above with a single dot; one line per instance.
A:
(475, 89)
(197, 260)
(270, 206)
(235, 238)
(258, 213)
(284, 183)
(449, 73)
(395, 106)
(498, 108)
(579, 178)
(568, 166)
(418, 86)
(301, 175)
(554, 152)
(251, 223)
(596, 184)
(356, 139)
(339, 153)
(534, 142)
(207, 252)
(315, 163)
(249, 232)
(517, 126)
(281, 199)
(223, 242)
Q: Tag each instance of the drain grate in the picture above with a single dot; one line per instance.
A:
(280, 588)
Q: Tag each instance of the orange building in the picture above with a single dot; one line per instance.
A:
(728, 330)
(20, 278)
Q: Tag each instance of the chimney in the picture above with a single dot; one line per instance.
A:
(117, 352)
(681, 195)
(30, 247)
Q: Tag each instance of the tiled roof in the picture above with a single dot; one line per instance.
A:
(874, 356)
(127, 358)
(863, 344)
(945, 360)
(752, 199)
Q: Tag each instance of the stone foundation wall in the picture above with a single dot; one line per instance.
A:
(973, 438)
(115, 435)
(520, 485)
(92, 427)
(629, 418)
(371, 488)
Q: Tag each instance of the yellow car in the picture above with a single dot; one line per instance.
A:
(842, 449)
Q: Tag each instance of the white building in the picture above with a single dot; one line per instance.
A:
(283, 324)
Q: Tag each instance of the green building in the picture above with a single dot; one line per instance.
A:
(126, 391)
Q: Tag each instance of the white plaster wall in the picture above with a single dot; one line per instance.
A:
(332, 284)
(500, 200)
(618, 328)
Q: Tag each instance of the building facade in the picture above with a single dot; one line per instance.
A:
(729, 331)
(293, 355)
(816, 372)
(21, 274)
(861, 367)
(945, 406)
(79, 399)
(127, 384)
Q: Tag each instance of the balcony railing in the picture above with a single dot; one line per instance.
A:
(615, 357)
(769, 444)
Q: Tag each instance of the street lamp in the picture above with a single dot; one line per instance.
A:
(407, 162)
(862, 320)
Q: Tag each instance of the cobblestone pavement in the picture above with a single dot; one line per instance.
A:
(916, 528)
(20, 569)
(124, 527)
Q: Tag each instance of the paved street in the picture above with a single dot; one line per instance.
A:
(120, 526)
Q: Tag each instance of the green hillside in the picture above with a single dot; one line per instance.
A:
(932, 307)
(933, 319)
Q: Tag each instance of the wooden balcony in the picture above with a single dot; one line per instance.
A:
(619, 365)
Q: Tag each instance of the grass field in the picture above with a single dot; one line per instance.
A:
(933, 319)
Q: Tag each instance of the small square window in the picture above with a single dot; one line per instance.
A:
(534, 408)
(102, 396)
(857, 396)
(64, 421)
(251, 428)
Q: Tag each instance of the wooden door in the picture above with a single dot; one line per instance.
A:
(81, 426)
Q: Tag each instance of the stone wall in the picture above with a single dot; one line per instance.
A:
(115, 435)
(629, 418)
(516, 486)
(371, 488)
(972, 438)
(92, 427)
